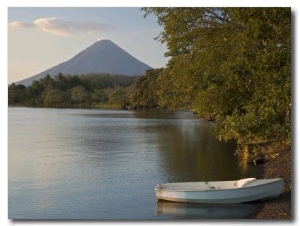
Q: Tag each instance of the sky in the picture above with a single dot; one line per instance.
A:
(35, 39)
(42, 37)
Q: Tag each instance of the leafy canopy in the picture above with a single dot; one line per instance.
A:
(231, 63)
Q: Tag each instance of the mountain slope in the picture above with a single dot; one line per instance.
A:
(102, 57)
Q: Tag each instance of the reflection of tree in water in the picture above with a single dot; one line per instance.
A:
(188, 151)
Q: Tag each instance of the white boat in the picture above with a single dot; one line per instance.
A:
(235, 191)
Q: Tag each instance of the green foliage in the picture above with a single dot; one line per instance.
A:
(119, 97)
(78, 94)
(145, 90)
(55, 98)
(99, 95)
(16, 94)
(92, 90)
(232, 63)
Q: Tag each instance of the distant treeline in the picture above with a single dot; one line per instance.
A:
(90, 90)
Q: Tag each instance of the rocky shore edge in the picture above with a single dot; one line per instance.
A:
(280, 207)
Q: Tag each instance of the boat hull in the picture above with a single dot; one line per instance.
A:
(249, 193)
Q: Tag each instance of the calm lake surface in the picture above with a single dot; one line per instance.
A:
(105, 164)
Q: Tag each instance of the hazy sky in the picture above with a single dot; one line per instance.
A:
(42, 37)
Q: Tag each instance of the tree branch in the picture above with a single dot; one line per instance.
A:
(215, 15)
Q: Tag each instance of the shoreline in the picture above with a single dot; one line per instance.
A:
(281, 206)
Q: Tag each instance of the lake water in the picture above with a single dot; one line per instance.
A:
(105, 164)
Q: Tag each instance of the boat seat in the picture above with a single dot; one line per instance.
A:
(243, 182)
(210, 186)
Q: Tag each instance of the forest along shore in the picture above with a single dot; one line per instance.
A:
(281, 206)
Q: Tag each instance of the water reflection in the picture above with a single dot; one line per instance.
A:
(204, 211)
(187, 145)
(71, 163)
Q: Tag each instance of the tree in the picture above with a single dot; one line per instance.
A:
(61, 82)
(119, 96)
(47, 81)
(234, 63)
(73, 81)
(55, 98)
(145, 90)
(99, 95)
(16, 94)
(78, 94)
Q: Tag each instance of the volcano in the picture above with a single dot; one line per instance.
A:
(104, 56)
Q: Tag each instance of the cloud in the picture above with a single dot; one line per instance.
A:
(60, 27)
(18, 24)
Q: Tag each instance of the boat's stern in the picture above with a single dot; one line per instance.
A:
(158, 187)
(158, 191)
